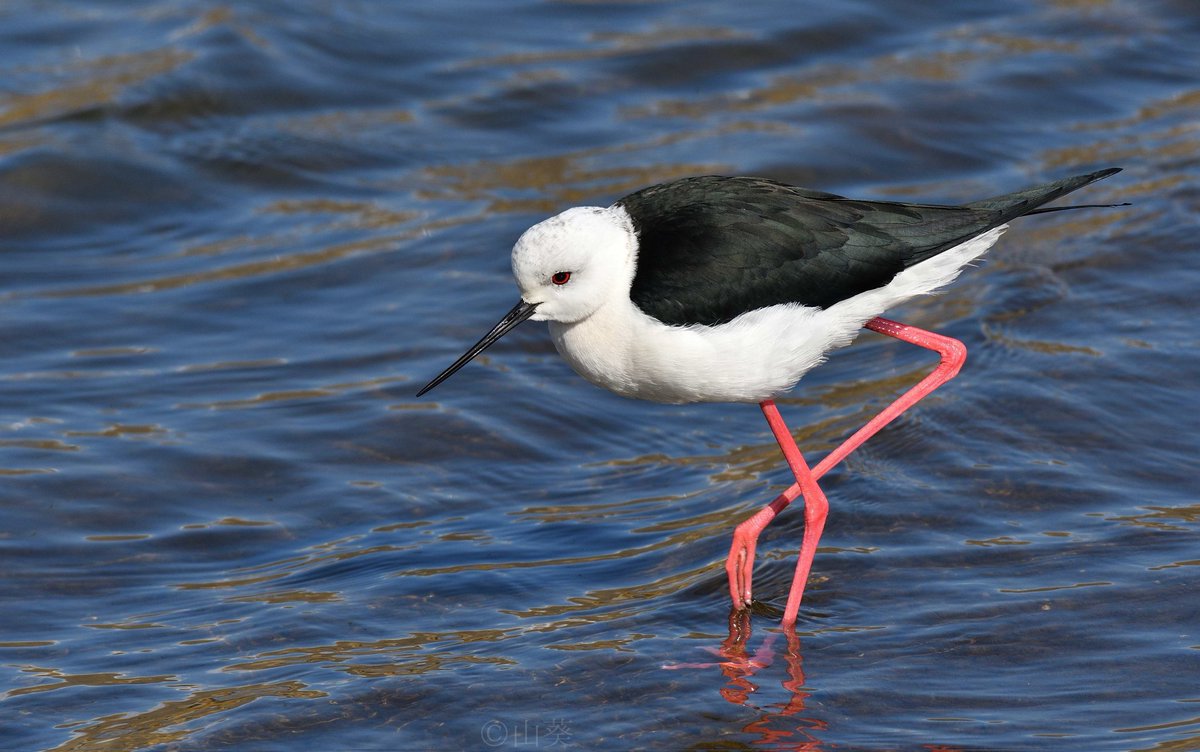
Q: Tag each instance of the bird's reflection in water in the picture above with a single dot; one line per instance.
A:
(739, 665)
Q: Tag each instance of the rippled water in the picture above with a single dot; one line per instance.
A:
(234, 240)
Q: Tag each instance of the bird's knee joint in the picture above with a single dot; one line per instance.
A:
(953, 352)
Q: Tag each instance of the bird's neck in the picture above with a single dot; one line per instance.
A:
(603, 348)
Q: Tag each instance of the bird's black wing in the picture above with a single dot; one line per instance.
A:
(711, 248)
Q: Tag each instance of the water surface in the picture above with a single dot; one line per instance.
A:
(236, 239)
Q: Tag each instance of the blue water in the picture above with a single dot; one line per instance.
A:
(235, 239)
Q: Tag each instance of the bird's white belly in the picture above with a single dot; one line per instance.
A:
(753, 357)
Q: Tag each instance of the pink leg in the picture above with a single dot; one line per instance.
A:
(815, 508)
(740, 564)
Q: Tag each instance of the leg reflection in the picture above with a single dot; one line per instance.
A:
(738, 665)
(778, 725)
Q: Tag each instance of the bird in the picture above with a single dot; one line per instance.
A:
(729, 289)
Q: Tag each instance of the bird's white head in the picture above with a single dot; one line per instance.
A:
(568, 266)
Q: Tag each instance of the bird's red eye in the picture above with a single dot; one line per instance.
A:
(561, 278)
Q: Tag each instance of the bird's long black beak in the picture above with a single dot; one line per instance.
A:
(519, 313)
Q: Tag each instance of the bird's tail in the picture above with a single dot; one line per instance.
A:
(1028, 201)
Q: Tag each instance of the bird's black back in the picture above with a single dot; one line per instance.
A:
(711, 248)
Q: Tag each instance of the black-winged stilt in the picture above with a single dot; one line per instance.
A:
(729, 289)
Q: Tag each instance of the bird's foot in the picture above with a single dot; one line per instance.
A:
(740, 565)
